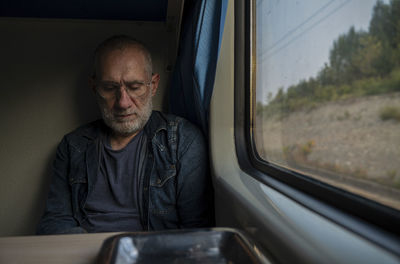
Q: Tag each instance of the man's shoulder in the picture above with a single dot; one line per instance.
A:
(186, 134)
(173, 122)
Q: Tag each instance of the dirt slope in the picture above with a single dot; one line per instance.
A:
(346, 138)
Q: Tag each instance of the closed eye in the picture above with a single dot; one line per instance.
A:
(134, 87)
(109, 86)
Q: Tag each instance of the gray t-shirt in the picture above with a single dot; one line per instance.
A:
(112, 203)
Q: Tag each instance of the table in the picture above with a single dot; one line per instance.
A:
(77, 248)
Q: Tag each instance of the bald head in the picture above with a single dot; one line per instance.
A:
(121, 43)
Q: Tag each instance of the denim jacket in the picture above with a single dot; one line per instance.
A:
(175, 187)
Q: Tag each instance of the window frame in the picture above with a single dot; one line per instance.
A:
(369, 219)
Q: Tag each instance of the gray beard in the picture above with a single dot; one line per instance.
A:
(129, 127)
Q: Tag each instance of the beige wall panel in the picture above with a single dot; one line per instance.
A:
(44, 69)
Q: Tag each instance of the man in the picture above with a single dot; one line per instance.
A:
(136, 169)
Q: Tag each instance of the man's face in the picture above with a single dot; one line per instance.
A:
(124, 111)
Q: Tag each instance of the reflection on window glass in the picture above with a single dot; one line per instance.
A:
(328, 92)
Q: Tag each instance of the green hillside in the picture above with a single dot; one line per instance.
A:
(361, 63)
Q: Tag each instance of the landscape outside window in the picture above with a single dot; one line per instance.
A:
(327, 76)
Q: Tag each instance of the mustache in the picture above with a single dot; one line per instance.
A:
(116, 112)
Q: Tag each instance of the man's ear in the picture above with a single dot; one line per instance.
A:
(155, 79)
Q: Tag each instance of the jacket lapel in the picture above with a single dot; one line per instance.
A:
(92, 162)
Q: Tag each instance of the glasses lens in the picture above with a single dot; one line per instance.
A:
(136, 89)
(110, 90)
(107, 90)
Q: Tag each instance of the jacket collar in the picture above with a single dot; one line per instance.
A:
(94, 129)
(156, 123)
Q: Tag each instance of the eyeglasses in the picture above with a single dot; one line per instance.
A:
(109, 90)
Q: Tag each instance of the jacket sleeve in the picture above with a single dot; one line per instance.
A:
(58, 216)
(194, 190)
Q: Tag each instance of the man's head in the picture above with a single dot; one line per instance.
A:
(124, 84)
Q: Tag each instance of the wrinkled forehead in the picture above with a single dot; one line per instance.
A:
(127, 61)
(126, 58)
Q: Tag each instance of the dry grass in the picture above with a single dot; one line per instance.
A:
(390, 113)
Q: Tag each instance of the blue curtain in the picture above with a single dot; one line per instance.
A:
(194, 72)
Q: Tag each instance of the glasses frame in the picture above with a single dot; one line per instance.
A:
(117, 88)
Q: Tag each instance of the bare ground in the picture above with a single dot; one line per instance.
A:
(343, 140)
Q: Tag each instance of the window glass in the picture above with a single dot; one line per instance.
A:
(327, 92)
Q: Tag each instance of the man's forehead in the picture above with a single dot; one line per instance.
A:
(117, 60)
(128, 52)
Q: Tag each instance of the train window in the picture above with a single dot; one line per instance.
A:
(326, 76)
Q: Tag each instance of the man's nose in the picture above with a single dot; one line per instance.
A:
(123, 99)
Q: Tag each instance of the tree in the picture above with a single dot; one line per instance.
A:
(385, 27)
(341, 56)
(378, 26)
(367, 59)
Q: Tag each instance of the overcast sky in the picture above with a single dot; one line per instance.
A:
(294, 37)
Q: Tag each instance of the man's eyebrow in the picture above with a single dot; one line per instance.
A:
(108, 82)
(134, 82)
